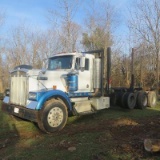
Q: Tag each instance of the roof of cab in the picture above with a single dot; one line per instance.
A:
(66, 54)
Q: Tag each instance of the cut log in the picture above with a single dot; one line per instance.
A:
(152, 145)
(152, 99)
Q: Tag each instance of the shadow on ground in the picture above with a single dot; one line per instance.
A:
(111, 134)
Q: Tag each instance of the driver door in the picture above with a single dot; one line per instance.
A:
(84, 76)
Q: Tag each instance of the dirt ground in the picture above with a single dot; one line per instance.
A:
(118, 136)
(123, 135)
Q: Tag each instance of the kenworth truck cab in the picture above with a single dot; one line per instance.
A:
(73, 83)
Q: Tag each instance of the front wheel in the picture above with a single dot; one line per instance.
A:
(53, 116)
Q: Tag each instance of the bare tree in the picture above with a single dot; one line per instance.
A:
(2, 50)
(18, 47)
(145, 24)
(100, 20)
(64, 24)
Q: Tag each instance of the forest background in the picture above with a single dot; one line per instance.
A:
(31, 31)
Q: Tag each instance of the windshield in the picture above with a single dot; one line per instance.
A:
(60, 62)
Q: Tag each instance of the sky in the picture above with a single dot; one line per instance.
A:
(34, 13)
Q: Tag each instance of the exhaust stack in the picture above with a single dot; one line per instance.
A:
(108, 87)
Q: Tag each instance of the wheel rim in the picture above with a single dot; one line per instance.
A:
(144, 100)
(131, 102)
(55, 117)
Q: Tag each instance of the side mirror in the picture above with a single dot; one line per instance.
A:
(45, 63)
(43, 70)
(82, 63)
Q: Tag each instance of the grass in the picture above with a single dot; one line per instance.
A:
(91, 135)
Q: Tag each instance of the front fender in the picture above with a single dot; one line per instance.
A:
(52, 94)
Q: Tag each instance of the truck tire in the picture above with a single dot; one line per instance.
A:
(118, 98)
(122, 104)
(53, 116)
(152, 99)
(130, 100)
(141, 100)
(113, 99)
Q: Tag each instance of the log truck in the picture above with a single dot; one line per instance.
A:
(71, 84)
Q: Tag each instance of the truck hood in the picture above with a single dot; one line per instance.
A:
(39, 81)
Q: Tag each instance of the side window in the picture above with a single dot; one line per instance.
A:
(86, 64)
(77, 65)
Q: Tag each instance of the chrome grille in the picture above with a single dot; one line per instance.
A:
(18, 88)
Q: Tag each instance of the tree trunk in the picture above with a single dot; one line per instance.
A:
(157, 72)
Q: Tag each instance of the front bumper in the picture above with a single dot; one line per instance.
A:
(22, 112)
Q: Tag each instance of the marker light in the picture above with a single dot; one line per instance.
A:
(54, 87)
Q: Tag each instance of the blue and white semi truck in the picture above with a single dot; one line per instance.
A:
(72, 83)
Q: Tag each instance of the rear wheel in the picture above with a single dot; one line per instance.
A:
(141, 100)
(53, 117)
(122, 104)
(129, 100)
(113, 99)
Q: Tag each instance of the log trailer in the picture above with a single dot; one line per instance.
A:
(72, 84)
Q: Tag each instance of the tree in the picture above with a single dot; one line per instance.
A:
(145, 24)
(99, 21)
(18, 47)
(99, 24)
(64, 25)
(96, 40)
(2, 49)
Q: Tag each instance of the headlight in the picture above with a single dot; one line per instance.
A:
(32, 96)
